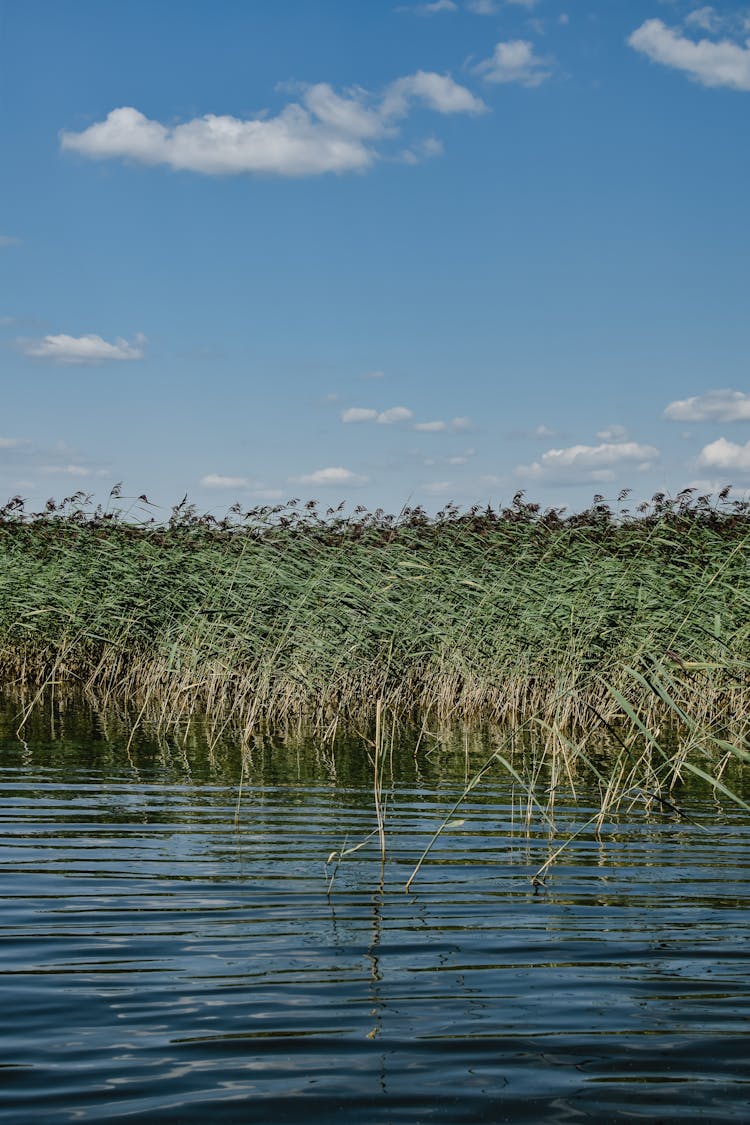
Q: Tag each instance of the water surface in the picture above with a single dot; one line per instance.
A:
(160, 964)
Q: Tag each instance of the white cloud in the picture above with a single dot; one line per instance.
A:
(359, 414)
(267, 493)
(73, 470)
(492, 7)
(515, 61)
(322, 132)
(394, 414)
(544, 432)
(439, 487)
(714, 406)
(440, 427)
(723, 454)
(384, 417)
(84, 349)
(590, 462)
(613, 433)
(437, 91)
(372, 375)
(216, 480)
(430, 9)
(331, 477)
(705, 18)
(722, 63)
(9, 240)
(12, 443)
(422, 150)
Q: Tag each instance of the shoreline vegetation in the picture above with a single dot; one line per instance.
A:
(624, 623)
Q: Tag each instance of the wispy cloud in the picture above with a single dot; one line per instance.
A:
(90, 349)
(588, 462)
(440, 427)
(456, 459)
(492, 7)
(9, 240)
(12, 443)
(705, 18)
(383, 417)
(613, 433)
(216, 480)
(515, 61)
(73, 470)
(482, 7)
(714, 406)
(324, 131)
(435, 7)
(727, 455)
(707, 61)
(331, 477)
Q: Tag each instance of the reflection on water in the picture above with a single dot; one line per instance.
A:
(161, 966)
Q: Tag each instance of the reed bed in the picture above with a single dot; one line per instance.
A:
(284, 614)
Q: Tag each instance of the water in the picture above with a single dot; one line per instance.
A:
(160, 966)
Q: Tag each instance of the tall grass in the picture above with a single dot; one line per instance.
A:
(283, 613)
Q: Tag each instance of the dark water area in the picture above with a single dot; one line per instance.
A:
(160, 964)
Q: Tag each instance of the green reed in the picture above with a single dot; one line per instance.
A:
(286, 614)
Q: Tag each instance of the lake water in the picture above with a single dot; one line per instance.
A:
(161, 965)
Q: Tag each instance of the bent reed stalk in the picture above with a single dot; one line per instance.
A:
(283, 614)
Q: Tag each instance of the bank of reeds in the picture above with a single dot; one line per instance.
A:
(284, 613)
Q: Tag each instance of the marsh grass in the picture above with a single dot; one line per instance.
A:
(286, 615)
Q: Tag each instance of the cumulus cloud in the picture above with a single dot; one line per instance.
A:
(589, 462)
(439, 487)
(12, 443)
(323, 131)
(394, 414)
(723, 454)
(359, 414)
(436, 91)
(332, 476)
(709, 62)
(84, 349)
(714, 406)
(383, 417)
(515, 61)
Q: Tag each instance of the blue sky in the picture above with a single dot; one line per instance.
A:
(387, 253)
